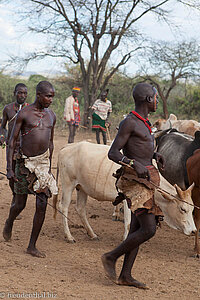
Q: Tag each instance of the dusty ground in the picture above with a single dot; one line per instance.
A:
(74, 271)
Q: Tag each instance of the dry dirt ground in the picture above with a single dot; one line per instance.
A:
(74, 271)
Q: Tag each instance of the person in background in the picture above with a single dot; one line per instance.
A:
(101, 110)
(10, 112)
(72, 113)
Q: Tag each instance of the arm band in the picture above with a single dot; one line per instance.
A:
(123, 158)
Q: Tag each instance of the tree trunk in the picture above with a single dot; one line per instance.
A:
(165, 109)
(86, 106)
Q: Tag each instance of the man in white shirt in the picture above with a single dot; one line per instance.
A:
(102, 108)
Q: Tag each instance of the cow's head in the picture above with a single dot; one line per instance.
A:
(159, 124)
(178, 214)
(162, 124)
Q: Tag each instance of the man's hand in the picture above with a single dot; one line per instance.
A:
(107, 124)
(141, 170)
(159, 159)
(11, 175)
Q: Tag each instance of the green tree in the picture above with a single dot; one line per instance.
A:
(170, 63)
(97, 34)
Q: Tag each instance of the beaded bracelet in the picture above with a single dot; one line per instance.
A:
(131, 163)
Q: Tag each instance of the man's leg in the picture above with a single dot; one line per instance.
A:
(73, 132)
(142, 228)
(16, 207)
(38, 220)
(70, 138)
(75, 129)
(104, 137)
(11, 184)
(98, 136)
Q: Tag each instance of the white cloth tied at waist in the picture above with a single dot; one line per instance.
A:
(40, 166)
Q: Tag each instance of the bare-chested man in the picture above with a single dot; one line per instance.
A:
(9, 115)
(36, 123)
(135, 140)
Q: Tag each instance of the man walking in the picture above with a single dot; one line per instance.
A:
(36, 123)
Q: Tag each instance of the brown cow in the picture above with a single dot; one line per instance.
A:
(193, 167)
(186, 126)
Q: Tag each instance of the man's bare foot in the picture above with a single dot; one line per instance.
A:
(109, 266)
(7, 231)
(131, 282)
(35, 252)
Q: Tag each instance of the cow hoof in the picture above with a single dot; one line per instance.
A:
(115, 218)
(71, 241)
(196, 255)
(95, 238)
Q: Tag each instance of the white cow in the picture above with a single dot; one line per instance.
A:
(186, 126)
(86, 167)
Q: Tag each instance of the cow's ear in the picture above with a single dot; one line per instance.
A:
(179, 190)
(191, 187)
(172, 117)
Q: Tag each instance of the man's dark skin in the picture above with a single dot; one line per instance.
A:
(9, 112)
(36, 141)
(136, 142)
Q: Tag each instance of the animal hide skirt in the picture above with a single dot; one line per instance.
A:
(138, 192)
(33, 174)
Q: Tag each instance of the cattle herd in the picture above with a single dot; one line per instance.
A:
(85, 167)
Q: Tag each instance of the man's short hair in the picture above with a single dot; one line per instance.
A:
(143, 90)
(43, 86)
(18, 86)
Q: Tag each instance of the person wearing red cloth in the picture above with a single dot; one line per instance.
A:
(135, 140)
(72, 113)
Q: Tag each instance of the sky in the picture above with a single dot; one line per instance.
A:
(15, 41)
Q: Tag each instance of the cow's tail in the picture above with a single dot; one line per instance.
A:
(55, 197)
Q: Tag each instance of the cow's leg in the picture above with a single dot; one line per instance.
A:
(116, 213)
(197, 223)
(196, 200)
(81, 204)
(67, 190)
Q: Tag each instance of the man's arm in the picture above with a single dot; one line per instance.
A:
(51, 145)
(108, 114)
(120, 141)
(118, 144)
(11, 143)
(3, 126)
